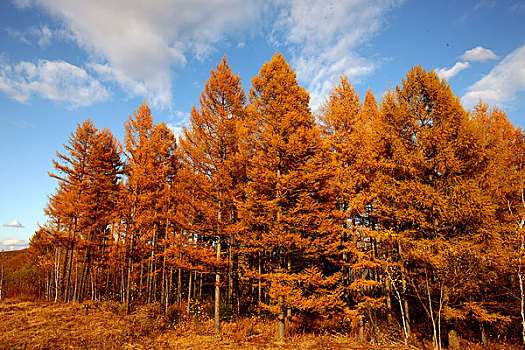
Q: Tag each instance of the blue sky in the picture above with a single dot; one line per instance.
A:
(64, 61)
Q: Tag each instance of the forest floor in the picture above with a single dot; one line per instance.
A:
(91, 325)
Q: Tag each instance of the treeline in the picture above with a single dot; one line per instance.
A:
(404, 215)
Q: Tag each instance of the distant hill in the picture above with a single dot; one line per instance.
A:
(18, 275)
(14, 259)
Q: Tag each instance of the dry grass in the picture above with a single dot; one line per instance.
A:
(41, 325)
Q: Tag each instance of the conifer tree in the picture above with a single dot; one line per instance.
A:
(84, 203)
(288, 204)
(100, 201)
(430, 194)
(503, 180)
(210, 146)
(347, 128)
(141, 186)
(419, 200)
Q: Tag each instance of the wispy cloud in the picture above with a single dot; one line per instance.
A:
(44, 35)
(484, 4)
(19, 123)
(447, 73)
(55, 80)
(138, 42)
(324, 37)
(135, 44)
(14, 223)
(517, 8)
(502, 83)
(13, 244)
(480, 5)
(41, 35)
(131, 86)
(479, 54)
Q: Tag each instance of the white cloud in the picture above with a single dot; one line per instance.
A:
(14, 223)
(502, 83)
(139, 40)
(132, 87)
(135, 44)
(13, 244)
(324, 37)
(55, 80)
(44, 35)
(22, 3)
(18, 35)
(447, 73)
(181, 119)
(35, 35)
(479, 54)
(175, 129)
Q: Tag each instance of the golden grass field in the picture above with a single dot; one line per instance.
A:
(94, 325)
(46, 325)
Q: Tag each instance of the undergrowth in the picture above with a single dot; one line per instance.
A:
(105, 325)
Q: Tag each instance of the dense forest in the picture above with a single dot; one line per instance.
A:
(405, 215)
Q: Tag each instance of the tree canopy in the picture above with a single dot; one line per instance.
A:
(405, 213)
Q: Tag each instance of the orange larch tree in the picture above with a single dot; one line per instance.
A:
(503, 180)
(151, 204)
(431, 197)
(83, 206)
(210, 146)
(288, 204)
(100, 202)
(347, 128)
(144, 186)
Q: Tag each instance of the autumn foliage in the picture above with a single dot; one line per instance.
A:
(398, 219)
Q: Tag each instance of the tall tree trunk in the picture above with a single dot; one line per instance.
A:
(388, 286)
(68, 276)
(169, 287)
(289, 268)
(404, 291)
(108, 281)
(194, 287)
(435, 340)
(217, 288)
(190, 282)
(130, 265)
(141, 278)
(128, 286)
(230, 274)
(402, 306)
(85, 271)
(200, 284)
(151, 268)
(259, 285)
(76, 280)
(148, 281)
(407, 310)
(93, 285)
(57, 271)
(164, 283)
(520, 271)
(122, 285)
(154, 284)
(179, 286)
